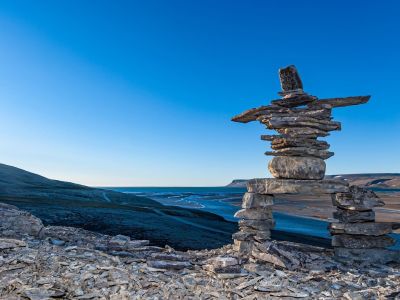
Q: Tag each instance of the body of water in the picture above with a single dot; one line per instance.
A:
(225, 201)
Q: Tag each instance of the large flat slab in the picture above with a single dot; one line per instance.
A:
(376, 256)
(368, 228)
(346, 101)
(362, 241)
(294, 186)
(254, 113)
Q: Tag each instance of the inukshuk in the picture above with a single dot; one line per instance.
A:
(298, 166)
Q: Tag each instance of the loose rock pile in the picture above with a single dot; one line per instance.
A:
(298, 166)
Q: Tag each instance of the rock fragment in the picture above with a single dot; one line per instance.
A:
(253, 200)
(286, 142)
(375, 256)
(223, 264)
(15, 223)
(293, 186)
(362, 241)
(254, 213)
(300, 152)
(367, 228)
(289, 167)
(353, 216)
(357, 198)
(169, 261)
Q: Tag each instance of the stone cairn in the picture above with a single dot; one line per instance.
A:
(298, 166)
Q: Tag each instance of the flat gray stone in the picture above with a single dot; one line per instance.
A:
(262, 225)
(244, 235)
(376, 256)
(253, 200)
(369, 228)
(353, 216)
(169, 264)
(11, 243)
(297, 167)
(294, 186)
(223, 261)
(302, 152)
(262, 235)
(285, 142)
(251, 234)
(272, 252)
(118, 242)
(223, 264)
(357, 198)
(303, 132)
(168, 256)
(294, 99)
(362, 242)
(272, 258)
(254, 213)
(136, 244)
(243, 247)
(278, 122)
(16, 223)
(340, 102)
(321, 111)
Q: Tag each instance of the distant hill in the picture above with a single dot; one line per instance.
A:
(68, 204)
(240, 183)
(380, 181)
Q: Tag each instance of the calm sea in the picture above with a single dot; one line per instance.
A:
(225, 201)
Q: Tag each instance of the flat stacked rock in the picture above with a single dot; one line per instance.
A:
(256, 221)
(298, 167)
(224, 267)
(356, 236)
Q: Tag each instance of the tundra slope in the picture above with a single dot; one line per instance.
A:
(109, 212)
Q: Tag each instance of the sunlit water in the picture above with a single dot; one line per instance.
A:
(225, 201)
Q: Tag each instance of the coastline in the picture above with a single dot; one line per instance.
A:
(298, 219)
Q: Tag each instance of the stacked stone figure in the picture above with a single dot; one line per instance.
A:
(298, 166)
(356, 235)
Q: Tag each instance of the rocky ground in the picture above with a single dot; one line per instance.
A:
(38, 262)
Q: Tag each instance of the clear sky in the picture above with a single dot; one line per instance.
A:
(140, 93)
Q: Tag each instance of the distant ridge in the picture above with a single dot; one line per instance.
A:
(386, 181)
(238, 183)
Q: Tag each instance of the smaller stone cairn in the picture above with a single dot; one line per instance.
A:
(298, 166)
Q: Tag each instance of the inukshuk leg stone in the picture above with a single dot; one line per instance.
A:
(356, 236)
(298, 165)
(255, 223)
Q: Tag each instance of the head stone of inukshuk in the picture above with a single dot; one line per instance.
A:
(298, 167)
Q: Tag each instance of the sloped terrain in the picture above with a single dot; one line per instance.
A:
(110, 212)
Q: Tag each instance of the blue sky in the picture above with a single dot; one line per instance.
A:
(140, 93)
